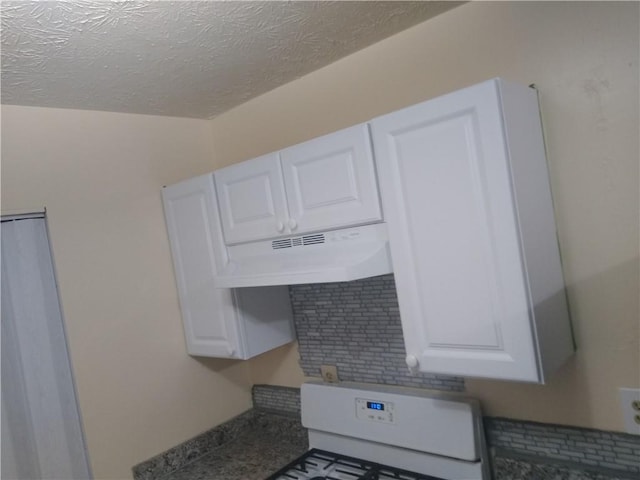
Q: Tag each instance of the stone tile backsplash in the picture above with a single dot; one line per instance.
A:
(276, 399)
(356, 326)
(610, 452)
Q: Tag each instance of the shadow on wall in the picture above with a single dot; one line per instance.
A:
(605, 312)
(228, 369)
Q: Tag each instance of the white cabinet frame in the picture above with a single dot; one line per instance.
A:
(466, 193)
(325, 183)
(217, 322)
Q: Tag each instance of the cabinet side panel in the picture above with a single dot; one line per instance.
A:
(538, 236)
(266, 316)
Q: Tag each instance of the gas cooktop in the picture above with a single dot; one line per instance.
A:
(322, 465)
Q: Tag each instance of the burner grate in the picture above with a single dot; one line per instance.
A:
(322, 465)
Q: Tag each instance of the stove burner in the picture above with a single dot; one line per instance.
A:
(322, 465)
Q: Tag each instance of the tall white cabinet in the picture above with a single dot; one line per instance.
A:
(229, 323)
(466, 196)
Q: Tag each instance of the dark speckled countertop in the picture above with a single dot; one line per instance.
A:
(272, 442)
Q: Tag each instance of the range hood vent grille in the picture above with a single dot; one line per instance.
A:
(313, 239)
(298, 241)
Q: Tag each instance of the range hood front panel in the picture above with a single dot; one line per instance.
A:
(336, 256)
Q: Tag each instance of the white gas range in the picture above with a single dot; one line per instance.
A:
(363, 432)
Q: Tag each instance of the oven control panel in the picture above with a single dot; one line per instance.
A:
(374, 410)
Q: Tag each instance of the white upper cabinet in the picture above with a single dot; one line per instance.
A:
(217, 322)
(252, 199)
(326, 183)
(465, 189)
(331, 181)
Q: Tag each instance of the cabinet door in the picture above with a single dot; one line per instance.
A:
(331, 182)
(208, 313)
(445, 186)
(252, 199)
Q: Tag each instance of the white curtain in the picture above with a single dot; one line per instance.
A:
(41, 430)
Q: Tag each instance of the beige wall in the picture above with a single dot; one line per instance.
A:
(584, 59)
(99, 176)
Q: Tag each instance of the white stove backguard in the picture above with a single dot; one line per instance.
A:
(434, 434)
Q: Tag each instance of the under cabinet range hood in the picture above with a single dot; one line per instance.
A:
(333, 256)
(310, 213)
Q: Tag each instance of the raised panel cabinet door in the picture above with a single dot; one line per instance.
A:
(446, 190)
(331, 181)
(252, 199)
(208, 313)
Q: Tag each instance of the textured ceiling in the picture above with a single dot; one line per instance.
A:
(181, 58)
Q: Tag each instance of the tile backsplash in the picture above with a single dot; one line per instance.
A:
(356, 326)
(611, 452)
(276, 399)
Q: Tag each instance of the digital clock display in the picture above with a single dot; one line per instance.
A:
(375, 406)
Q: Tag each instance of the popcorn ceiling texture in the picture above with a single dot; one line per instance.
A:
(181, 58)
(356, 326)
